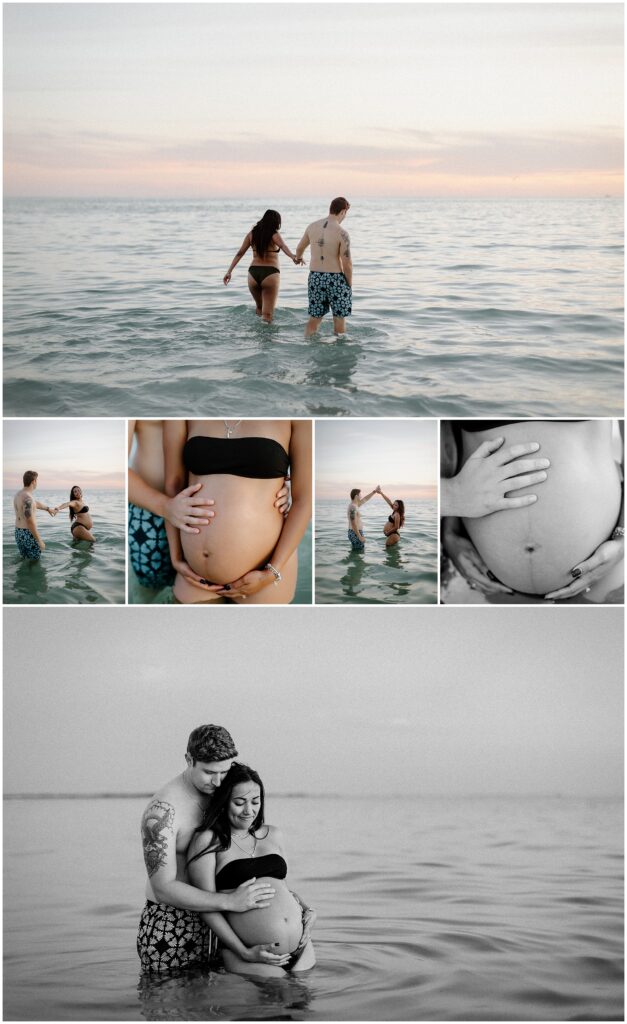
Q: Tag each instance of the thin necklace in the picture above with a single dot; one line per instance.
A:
(247, 852)
(230, 429)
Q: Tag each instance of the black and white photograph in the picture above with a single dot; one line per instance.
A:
(425, 825)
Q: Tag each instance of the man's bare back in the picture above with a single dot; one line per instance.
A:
(328, 242)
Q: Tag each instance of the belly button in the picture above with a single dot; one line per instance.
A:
(530, 548)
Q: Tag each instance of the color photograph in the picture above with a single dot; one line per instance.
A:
(334, 209)
(415, 821)
(220, 512)
(63, 536)
(376, 512)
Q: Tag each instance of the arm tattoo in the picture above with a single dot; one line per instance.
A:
(28, 507)
(158, 820)
(353, 513)
(347, 244)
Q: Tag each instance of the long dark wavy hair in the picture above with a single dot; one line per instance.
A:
(263, 231)
(400, 510)
(216, 816)
(73, 498)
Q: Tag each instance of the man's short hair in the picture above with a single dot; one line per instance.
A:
(210, 743)
(355, 491)
(339, 204)
(29, 476)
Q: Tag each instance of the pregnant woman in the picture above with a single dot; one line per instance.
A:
(232, 845)
(264, 271)
(395, 520)
(81, 521)
(570, 539)
(248, 551)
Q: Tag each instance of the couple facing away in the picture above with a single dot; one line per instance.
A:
(391, 528)
(330, 284)
(216, 871)
(27, 537)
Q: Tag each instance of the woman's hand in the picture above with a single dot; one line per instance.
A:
(248, 584)
(469, 563)
(53, 511)
(263, 954)
(227, 277)
(186, 513)
(606, 556)
(488, 475)
(184, 570)
(299, 261)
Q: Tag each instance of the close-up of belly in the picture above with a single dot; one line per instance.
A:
(280, 922)
(533, 549)
(243, 532)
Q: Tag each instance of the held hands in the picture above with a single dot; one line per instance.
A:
(248, 584)
(181, 566)
(606, 556)
(469, 563)
(188, 513)
(53, 512)
(298, 261)
(489, 474)
(251, 895)
(264, 955)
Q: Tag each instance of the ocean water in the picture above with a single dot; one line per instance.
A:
(302, 595)
(466, 307)
(428, 909)
(406, 573)
(69, 571)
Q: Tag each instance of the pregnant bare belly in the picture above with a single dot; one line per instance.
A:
(533, 549)
(243, 532)
(280, 922)
(84, 520)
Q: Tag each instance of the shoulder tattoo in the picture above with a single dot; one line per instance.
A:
(157, 829)
(353, 513)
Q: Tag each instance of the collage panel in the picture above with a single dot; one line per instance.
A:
(532, 511)
(64, 521)
(442, 816)
(220, 512)
(376, 511)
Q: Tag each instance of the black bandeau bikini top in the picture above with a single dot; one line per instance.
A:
(85, 508)
(260, 458)
(235, 872)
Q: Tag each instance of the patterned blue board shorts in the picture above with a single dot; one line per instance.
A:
(329, 291)
(148, 548)
(27, 545)
(356, 544)
(169, 937)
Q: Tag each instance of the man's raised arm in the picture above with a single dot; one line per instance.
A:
(362, 501)
(345, 258)
(159, 844)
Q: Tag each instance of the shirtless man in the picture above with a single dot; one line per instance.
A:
(149, 506)
(330, 270)
(355, 532)
(171, 932)
(29, 543)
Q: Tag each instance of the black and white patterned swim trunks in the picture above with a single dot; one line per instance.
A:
(168, 937)
(329, 291)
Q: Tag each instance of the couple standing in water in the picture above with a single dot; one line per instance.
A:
(27, 537)
(391, 528)
(330, 285)
(216, 871)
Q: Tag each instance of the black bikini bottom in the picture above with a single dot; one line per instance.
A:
(259, 274)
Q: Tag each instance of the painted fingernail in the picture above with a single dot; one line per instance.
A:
(227, 586)
(491, 576)
(576, 572)
(206, 582)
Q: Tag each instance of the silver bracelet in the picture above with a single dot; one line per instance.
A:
(275, 572)
(619, 533)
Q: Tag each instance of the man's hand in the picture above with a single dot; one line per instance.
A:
(469, 564)
(264, 955)
(488, 475)
(251, 895)
(186, 512)
(181, 566)
(52, 512)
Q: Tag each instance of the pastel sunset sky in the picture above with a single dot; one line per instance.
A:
(247, 100)
(401, 455)
(90, 453)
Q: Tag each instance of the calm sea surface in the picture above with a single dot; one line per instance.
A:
(466, 307)
(302, 595)
(69, 571)
(428, 909)
(406, 573)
